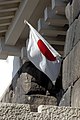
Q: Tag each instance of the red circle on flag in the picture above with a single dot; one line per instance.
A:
(45, 51)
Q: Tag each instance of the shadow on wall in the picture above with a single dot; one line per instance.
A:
(42, 80)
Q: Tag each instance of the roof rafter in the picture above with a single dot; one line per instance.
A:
(8, 10)
(9, 2)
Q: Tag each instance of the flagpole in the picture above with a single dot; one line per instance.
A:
(26, 22)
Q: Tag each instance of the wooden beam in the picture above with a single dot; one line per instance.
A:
(7, 14)
(6, 17)
(58, 47)
(52, 33)
(53, 19)
(26, 10)
(5, 21)
(3, 56)
(46, 30)
(59, 6)
(57, 22)
(9, 50)
(24, 54)
(58, 38)
(56, 42)
(61, 52)
(58, 3)
(66, 1)
(43, 25)
(60, 10)
(4, 24)
(8, 10)
(9, 2)
(3, 31)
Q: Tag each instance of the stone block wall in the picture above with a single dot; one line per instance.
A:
(71, 62)
(23, 112)
(30, 86)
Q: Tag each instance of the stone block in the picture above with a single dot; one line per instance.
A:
(32, 81)
(72, 11)
(8, 96)
(18, 94)
(75, 98)
(77, 31)
(70, 38)
(75, 9)
(29, 85)
(45, 112)
(65, 101)
(32, 74)
(36, 100)
(34, 116)
(21, 90)
(59, 113)
(66, 72)
(71, 67)
(13, 111)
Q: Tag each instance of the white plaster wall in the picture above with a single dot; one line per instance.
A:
(16, 65)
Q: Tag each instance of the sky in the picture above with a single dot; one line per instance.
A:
(6, 67)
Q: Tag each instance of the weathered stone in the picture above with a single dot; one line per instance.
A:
(18, 94)
(59, 113)
(30, 87)
(17, 62)
(77, 31)
(31, 82)
(71, 67)
(25, 87)
(66, 72)
(45, 112)
(13, 111)
(37, 76)
(65, 101)
(8, 96)
(75, 99)
(34, 75)
(36, 100)
(70, 37)
(67, 11)
(72, 11)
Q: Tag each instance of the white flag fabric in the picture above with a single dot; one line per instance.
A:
(43, 55)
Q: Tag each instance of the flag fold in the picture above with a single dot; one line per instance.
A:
(43, 55)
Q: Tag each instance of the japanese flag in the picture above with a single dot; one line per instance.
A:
(43, 55)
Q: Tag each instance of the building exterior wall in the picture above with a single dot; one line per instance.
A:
(71, 62)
